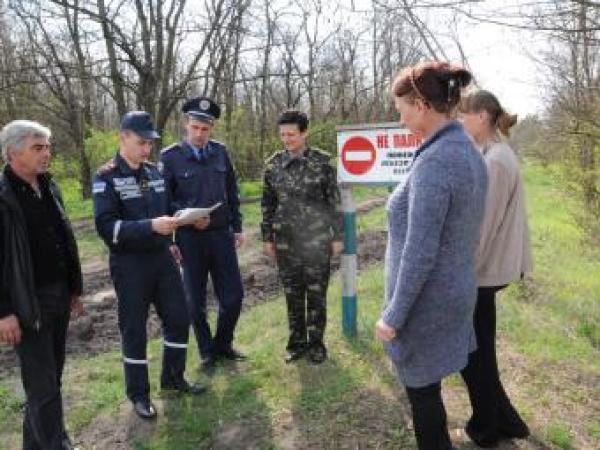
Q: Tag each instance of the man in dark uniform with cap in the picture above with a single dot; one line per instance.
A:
(302, 228)
(198, 173)
(130, 208)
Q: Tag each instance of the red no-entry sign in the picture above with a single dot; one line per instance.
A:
(358, 155)
(375, 153)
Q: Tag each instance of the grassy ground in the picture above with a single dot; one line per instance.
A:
(84, 209)
(548, 342)
(91, 248)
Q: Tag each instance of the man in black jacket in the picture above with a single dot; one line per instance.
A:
(41, 279)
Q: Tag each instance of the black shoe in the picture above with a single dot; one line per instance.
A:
(514, 430)
(510, 424)
(294, 355)
(483, 441)
(183, 387)
(207, 364)
(144, 408)
(231, 354)
(317, 355)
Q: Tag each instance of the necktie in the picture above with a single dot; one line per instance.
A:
(198, 153)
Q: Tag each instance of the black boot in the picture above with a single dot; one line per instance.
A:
(183, 387)
(144, 408)
(295, 352)
(317, 354)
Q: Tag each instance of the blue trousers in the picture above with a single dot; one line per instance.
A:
(141, 279)
(211, 252)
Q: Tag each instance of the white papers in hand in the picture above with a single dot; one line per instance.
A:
(189, 216)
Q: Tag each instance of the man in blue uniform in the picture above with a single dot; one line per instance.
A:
(130, 208)
(198, 173)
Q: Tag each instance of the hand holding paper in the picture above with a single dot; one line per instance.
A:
(190, 216)
(164, 225)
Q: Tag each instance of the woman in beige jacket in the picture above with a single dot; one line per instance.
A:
(503, 256)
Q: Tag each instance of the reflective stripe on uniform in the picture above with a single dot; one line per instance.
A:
(116, 230)
(174, 344)
(135, 361)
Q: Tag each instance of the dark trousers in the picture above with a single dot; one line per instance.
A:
(429, 417)
(141, 279)
(305, 279)
(492, 410)
(212, 252)
(42, 358)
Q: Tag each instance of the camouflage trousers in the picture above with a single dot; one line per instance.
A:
(304, 272)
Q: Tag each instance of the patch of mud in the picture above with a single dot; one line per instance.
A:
(119, 435)
(240, 435)
(370, 204)
(371, 247)
(83, 226)
(554, 392)
(96, 331)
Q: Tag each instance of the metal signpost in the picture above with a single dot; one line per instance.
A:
(369, 154)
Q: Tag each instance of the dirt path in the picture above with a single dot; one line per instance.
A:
(97, 330)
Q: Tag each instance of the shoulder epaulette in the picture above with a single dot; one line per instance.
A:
(320, 153)
(214, 141)
(271, 159)
(107, 167)
(169, 148)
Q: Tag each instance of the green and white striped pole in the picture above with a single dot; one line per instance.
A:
(349, 266)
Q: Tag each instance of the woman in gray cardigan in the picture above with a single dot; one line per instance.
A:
(503, 256)
(434, 219)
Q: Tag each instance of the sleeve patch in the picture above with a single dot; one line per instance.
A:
(98, 187)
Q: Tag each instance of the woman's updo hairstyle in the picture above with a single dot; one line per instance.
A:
(481, 100)
(437, 83)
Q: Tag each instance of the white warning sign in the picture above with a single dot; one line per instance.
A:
(375, 153)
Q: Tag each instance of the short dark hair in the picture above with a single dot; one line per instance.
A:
(437, 83)
(294, 117)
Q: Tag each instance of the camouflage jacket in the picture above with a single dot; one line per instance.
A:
(300, 198)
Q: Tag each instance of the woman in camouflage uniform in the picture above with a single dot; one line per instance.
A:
(302, 229)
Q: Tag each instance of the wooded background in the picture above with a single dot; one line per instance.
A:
(78, 65)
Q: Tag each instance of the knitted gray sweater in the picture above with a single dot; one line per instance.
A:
(434, 220)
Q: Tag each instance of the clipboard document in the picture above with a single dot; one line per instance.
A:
(188, 216)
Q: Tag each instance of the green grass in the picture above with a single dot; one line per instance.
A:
(251, 215)
(361, 193)
(250, 189)
(555, 314)
(594, 429)
(549, 324)
(76, 207)
(261, 393)
(266, 390)
(90, 246)
(376, 219)
(10, 405)
(82, 209)
(560, 435)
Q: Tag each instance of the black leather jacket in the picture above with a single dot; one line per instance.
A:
(17, 288)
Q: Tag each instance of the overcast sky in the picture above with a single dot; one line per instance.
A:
(500, 58)
(498, 55)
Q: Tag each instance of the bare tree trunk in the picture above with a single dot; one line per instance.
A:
(264, 83)
(115, 75)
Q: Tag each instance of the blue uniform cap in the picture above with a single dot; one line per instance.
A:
(202, 108)
(140, 123)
